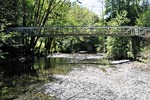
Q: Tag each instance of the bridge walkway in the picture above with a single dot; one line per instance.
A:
(120, 31)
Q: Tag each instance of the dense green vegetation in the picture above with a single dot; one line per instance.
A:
(118, 47)
(42, 13)
(133, 7)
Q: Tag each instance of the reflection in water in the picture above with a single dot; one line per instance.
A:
(36, 68)
(17, 76)
(20, 77)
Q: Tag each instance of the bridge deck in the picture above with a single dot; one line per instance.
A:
(84, 35)
(120, 31)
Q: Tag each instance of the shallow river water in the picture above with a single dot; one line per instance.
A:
(19, 77)
(22, 77)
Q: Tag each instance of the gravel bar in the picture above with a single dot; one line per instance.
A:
(127, 81)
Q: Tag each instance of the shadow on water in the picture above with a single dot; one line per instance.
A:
(18, 76)
(25, 77)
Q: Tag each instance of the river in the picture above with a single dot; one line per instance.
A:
(75, 77)
(22, 77)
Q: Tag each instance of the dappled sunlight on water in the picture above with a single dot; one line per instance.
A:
(26, 77)
(17, 76)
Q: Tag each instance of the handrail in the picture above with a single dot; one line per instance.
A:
(81, 30)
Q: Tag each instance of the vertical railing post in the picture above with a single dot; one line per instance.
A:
(136, 31)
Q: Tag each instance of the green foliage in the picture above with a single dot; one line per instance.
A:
(67, 14)
(2, 55)
(133, 7)
(71, 14)
(120, 19)
(100, 45)
(75, 44)
(78, 16)
(8, 38)
(144, 55)
(144, 19)
(44, 13)
(117, 47)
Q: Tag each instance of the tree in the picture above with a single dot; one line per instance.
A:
(133, 7)
(117, 47)
(143, 20)
(80, 16)
(29, 13)
(75, 16)
(9, 13)
(41, 13)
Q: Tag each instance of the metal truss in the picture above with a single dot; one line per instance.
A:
(120, 31)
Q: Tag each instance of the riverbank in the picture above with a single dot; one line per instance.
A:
(76, 77)
(127, 81)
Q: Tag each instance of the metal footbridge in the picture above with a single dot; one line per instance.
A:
(120, 31)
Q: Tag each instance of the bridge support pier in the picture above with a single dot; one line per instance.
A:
(135, 42)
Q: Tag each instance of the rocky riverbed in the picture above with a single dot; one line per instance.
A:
(126, 81)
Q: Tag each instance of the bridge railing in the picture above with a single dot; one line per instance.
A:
(80, 31)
